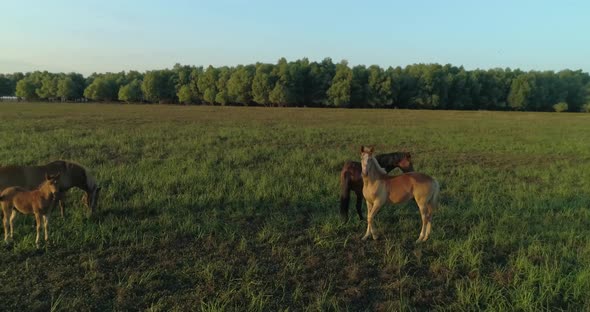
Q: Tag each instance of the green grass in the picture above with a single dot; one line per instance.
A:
(225, 208)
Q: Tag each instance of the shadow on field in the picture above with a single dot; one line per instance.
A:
(297, 253)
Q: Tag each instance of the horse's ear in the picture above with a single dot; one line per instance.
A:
(47, 176)
(362, 148)
(371, 149)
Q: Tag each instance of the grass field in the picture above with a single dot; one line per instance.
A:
(222, 209)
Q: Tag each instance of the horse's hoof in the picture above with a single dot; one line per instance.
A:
(375, 237)
(365, 237)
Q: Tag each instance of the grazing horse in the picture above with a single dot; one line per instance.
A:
(380, 189)
(351, 180)
(71, 175)
(39, 202)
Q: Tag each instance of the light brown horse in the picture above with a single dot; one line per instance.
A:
(380, 189)
(38, 202)
(71, 175)
(351, 180)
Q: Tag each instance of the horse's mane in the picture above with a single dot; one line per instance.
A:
(67, 163)
(40, 186)
(377, 172)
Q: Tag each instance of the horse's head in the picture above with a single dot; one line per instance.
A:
(405, 163)
(366, 154)
(90, 198)
(51, 184)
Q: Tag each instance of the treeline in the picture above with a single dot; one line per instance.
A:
(320, 84)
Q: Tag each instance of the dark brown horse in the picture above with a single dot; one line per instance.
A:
(351, 180)
(71, 175)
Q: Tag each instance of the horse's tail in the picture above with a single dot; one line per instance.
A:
(344, 195)
(434, 195)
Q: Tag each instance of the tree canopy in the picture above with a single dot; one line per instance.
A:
(305, 83)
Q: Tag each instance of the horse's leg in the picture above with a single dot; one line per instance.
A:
(425, 220)
(369, 220)
(46, 225)
(38, 220)
(376, 206)
(61, 208)
(12, 215)
(429, 224)
(61, 197)
(430, 207)
(5, 222)
(359, 203)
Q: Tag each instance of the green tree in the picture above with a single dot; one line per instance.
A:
(262, 84)
(158, 86)
(339, 91)
(520, 92)
(405, 86)
(131, 92)
(48, 89)
(575, 84)
(294, 79)
(279, 96)
(292, 76)
(560, 107)
(131, 76)
(222, 97)
(432, 86)
(79, 84)
(193, 84)
(359, 88)
(492, 91)
(321, 76)
(380, 87)
(102, 88)
(185, 95)
(287, 91)
(14, 79)
(182, 75)
(463, 89)
(239, 86)
(26, 89)
(6, 88)
(66, 88)
(207, 84)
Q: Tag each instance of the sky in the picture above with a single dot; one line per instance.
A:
(115, 35)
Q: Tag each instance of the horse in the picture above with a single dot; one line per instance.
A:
(380, 189)
(39, 202)
(351, 180)
(71, 175)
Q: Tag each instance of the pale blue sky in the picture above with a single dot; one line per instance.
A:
(115, 35)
